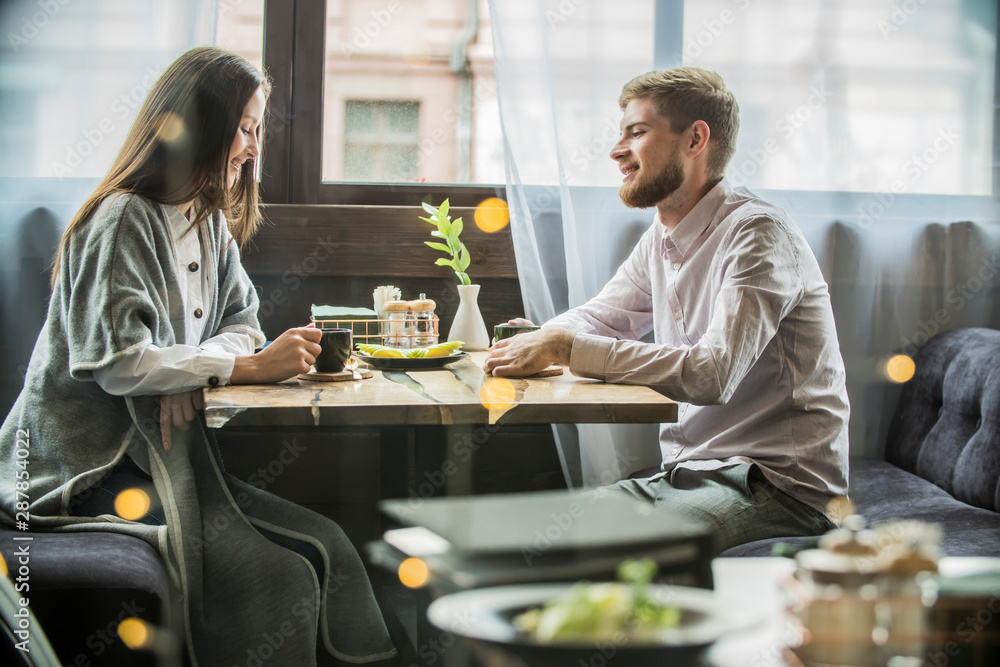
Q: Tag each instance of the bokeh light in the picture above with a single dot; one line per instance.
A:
(492, 215)
(171, 128)
(413, 573)
(132, 504)
(497, 393)
(900, 368)
(839, 508)
(136, 634)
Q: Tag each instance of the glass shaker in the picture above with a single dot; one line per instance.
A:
(907, 593)
(424, 334)
(831, 598)
(395, 332)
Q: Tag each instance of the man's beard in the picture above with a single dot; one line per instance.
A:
(650, 192)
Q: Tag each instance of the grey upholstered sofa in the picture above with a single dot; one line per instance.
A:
(942, 454)
(82, 584)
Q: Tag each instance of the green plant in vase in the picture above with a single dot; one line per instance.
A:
(468, 325)
(449, 230)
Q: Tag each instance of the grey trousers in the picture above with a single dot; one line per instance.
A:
(738, 503)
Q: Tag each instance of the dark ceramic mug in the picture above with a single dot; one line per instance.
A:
(336, 349)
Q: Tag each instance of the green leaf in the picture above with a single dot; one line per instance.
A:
(449, 231)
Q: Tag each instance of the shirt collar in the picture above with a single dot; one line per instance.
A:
(177, 223)
(692, 225)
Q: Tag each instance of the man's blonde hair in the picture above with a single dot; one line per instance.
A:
(686, 94)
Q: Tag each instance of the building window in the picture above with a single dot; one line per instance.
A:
(381, 141)
(435, 54)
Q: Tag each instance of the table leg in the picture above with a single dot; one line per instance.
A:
(395, 452)
(429, 476)
(458, 460)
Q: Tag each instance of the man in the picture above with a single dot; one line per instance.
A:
(744, 331)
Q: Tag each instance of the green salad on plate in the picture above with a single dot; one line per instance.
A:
(620, 611)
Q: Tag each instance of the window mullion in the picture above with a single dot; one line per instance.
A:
(279, 38)
(309, 49)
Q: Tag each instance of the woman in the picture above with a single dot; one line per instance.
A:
(149, 305)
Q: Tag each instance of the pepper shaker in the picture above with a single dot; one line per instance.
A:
(423, 322)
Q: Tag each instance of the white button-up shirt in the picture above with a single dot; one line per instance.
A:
(743, 332)
(191, 364)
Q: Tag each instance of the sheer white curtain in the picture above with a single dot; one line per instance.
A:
(560, 67)
(872, 127)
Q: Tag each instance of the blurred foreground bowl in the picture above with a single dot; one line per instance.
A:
(485, 618)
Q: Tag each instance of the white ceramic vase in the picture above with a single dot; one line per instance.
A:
(468, 325)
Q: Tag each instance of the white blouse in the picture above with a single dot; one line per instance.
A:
(188, 365)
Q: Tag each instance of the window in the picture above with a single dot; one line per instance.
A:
(400, 92)
(436, 53)
(856, 95)
(73, 75)
(380, 140)
(240, 28)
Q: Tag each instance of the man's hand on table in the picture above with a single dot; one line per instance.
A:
(289, 354)
(528, 353)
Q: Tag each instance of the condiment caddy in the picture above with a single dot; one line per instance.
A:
(400, 324)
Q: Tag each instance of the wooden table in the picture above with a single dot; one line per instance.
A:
(458, 394)
(429, 421)
(460, 400)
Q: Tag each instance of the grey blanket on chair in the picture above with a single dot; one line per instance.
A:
(117, 292)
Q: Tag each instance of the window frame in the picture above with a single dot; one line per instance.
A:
(295, 58)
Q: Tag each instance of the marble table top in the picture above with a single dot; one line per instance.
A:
(457, 394)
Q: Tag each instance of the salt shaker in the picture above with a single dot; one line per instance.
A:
(395, 334)
(423, 322)
(832, 598)
(907, 592)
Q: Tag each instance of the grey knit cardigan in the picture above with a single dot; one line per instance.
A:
(117, 292)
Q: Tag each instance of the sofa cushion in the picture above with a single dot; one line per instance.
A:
(946, 428)
(881, 491)
(82, 584)
(89, 560)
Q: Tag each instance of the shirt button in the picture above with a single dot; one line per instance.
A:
(192, 267)
(198, 313)
(677, 265)
(213, 381)
(675, 451)
(677, 315)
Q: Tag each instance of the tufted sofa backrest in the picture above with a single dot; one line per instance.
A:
(946, 428)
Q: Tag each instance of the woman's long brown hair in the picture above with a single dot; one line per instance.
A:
(178, 147)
